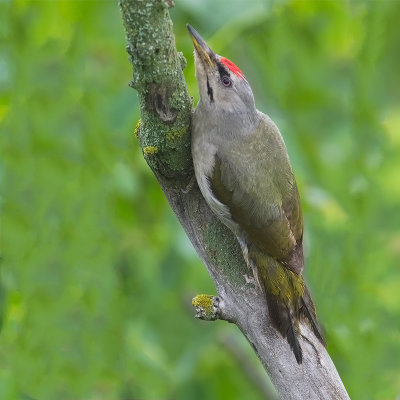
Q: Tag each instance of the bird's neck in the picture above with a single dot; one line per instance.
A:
(233, 122)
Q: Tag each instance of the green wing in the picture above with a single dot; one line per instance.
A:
(254, 179)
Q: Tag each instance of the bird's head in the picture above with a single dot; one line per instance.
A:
(222, 85)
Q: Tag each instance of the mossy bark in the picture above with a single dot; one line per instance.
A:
(164, 136)
(165, 104)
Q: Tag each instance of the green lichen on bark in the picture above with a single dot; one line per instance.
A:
(137, 129)
(165, 104)
(204, 304)
(150, 150)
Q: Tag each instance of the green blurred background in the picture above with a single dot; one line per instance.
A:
(97, 274)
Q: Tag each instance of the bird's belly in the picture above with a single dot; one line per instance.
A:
(203, 154)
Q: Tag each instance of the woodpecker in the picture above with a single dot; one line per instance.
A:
(243, 170)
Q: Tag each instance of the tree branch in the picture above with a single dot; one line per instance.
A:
(164, 136)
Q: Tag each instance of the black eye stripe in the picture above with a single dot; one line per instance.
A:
(222, 70)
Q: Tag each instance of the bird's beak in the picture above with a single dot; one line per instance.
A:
(202, 48)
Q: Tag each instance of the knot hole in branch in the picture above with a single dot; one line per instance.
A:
(158, 97)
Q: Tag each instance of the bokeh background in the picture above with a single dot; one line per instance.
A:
(97, 275)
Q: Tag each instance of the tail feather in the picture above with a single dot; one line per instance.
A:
(286, 317)
(294, 342)
(308, 310)
(288, 298)
(283, 320)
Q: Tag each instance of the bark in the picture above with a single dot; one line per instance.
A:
(164, 137)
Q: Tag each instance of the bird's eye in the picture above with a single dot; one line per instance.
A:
(226, 81)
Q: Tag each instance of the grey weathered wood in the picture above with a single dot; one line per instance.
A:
(164, 137)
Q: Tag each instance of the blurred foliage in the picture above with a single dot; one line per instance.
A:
(97, 274)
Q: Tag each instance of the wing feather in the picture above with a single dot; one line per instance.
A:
(257, 185)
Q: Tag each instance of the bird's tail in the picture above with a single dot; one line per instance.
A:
(307, 311)
(289, 301)
(283, 318)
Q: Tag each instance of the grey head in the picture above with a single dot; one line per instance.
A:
(225, 94)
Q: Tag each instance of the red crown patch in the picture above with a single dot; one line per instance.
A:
(232, 67)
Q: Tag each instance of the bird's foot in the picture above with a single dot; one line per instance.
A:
(253, 280)
(250, 279)
(190, 185)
